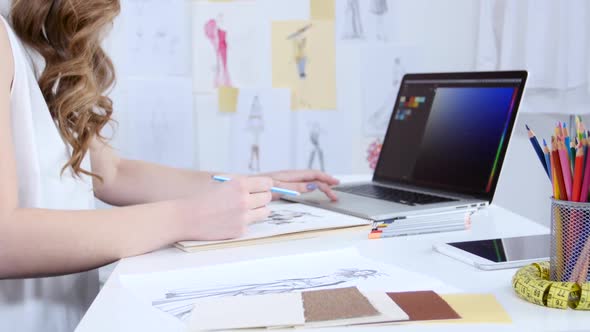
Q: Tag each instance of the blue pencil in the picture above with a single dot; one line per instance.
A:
(547, 158)
(281, 191)
(538, 150)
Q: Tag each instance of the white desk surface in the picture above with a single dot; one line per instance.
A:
(116, 309)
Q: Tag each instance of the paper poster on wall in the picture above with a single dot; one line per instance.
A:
(322, 141)
(231, 45)
(155, 121)
(285, 10)
(365, 20)
(303, 59)
(322, 9)
(383, 69)
(261, 132)
(142, 45)
(228, 99)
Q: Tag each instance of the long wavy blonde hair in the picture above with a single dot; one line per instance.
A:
(77, 73)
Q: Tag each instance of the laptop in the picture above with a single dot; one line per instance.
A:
(443, 150)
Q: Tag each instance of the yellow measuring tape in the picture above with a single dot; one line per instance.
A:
(532, 284)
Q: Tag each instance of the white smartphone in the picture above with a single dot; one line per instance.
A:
(495, 254)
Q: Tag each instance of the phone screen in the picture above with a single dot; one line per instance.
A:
(509, 249)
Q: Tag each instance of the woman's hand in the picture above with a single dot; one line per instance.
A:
(222, 211)
(304, 181)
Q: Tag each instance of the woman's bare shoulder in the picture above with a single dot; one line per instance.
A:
(6, 59)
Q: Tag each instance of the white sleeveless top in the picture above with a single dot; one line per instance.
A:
(45, 304)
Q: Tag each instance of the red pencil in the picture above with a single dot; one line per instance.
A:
(578, 170)
(558, 171)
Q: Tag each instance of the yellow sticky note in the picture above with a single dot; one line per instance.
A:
(322, 9)
(477, 308)
(304, 60)
(228, 99)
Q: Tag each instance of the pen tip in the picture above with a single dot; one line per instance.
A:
(544, 142)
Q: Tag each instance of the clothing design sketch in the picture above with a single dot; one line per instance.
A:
(379, 119)
(285, 217)
(255, 127)
(301, 60)
(379, 8)
(317, 151)
(179, 302)
(353, 25)
(218, 38)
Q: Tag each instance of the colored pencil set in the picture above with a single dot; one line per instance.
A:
(566, 162)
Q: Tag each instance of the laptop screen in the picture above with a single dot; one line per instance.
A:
(451, 131)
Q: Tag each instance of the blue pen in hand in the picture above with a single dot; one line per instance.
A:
(281, 191)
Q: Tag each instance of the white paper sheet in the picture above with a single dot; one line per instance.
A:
(383, 67)
(152, 37)
(175, 292)
(322, 141)
(155, 121)
(231, 45)
(243, 312)
(261, 131)
(366, 20)
(291, 218)
(285, 10)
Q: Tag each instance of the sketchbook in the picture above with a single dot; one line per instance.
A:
(289, 221)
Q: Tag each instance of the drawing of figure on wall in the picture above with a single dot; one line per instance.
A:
(180, 302)
(379, 8)
(301, 60)
(353, 26)
(317, 151)
(218, 37)
(379, 120)
(256, 127)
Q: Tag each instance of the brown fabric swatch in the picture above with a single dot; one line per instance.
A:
(334, 304)
(424, 305)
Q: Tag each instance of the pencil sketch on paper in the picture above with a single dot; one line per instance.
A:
(288, 217)
(380, 8)
(379, 119)
(353, 25)
(149, 38)
(179, 302)
(301, 60)
(255, 126)
(317, 151)
(217, 35)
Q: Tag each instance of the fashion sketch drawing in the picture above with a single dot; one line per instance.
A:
(218, 38)
(353, 25)
(287, 217)
(379, 8)
(301, 60)
(316, 151)
(255, 127)
(179, 302)
(379, 119)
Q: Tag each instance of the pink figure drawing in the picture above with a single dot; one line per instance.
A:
(218, 38)
(373, 152)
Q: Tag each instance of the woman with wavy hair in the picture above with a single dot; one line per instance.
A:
(54, 79)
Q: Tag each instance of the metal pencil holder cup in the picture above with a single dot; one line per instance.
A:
(570, 241)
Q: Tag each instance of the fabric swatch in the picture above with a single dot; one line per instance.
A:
(424, 305)
(246, 312)
(477, 308)
(336, 304)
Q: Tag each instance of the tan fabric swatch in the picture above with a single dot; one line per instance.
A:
(424, 305)
(334, 304)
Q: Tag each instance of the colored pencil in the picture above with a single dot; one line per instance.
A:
(554, 182)
(273, 189)
(537, 149)
(558, 171)
(547, 159)
(578, 171)
(565, 169)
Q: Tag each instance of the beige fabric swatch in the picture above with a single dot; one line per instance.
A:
(247, 312)
(334, 304)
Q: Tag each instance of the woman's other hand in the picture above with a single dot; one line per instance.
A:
(304, 181)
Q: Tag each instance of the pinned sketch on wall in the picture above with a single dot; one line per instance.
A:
(231, 45)
(138, 42)
(353, 24)
(155, 121)
(217, 35)
(365, 20)
(380, 8)
(319, 141)
(174, 292)
(373, 152)
(303, 59)
(261, 131)
(383, 71)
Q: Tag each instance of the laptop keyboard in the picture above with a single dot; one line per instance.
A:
(393, 195)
